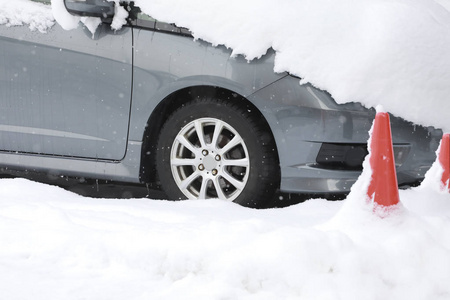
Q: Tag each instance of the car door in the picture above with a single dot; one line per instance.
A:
(65, 93)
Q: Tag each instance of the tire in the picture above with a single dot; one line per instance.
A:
(235, 160)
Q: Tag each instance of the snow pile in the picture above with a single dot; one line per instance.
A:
(390, 52)
(403, 256)
(433, 176)
(58, 245)
(36, 16)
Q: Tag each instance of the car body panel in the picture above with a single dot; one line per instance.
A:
(78, 104)
(65, 93)
(182, 63)
(306, 118)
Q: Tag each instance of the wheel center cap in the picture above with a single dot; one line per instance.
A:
(210, 163)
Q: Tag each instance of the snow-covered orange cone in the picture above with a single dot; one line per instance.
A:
(383, 189)
(444, 160)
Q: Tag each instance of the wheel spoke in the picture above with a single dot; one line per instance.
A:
(236, 183)
(183, 162)
(199, 130)
(243, 162)
(217, 130)
(188, 181)
(183, 141)
(203, 188)
(236, 140)
(218, 189)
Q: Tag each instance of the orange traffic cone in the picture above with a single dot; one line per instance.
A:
(444, 160)
(383, 189)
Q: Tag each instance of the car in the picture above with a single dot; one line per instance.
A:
(147, 103)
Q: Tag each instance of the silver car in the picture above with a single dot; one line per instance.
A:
(147, 103)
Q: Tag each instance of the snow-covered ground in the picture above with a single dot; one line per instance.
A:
(59, 245)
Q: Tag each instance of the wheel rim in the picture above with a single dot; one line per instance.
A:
(209, 159)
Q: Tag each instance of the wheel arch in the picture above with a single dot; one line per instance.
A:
(168, 105)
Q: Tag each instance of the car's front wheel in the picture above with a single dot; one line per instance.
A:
(211, 148)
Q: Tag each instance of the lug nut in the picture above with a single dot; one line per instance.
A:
(205, 152)
(214, 172)
(218, 157)
(201, 167)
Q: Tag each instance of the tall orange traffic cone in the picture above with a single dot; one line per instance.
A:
(383, 188)
(444, 160)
